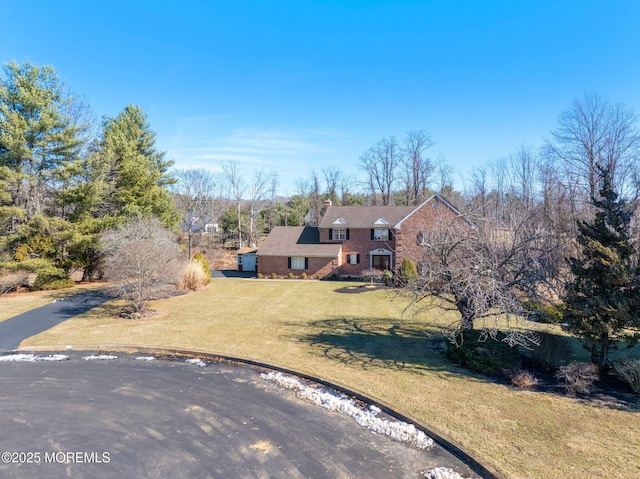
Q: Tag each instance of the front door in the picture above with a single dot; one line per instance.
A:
(381, 262)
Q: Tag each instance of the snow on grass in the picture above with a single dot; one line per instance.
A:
(99, 357)
(442, 473)
(145, 358)
(32, 358)
(198, 362)
(332, 401)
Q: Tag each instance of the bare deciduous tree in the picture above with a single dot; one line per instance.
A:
(592, 134)
(258, 197)
(381, 163)
(194, 192)
(416, 168)
(237, 187)
(139, 257)
(482, 273)
(332, 178)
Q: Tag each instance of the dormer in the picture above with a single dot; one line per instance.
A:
(380, 222)
(339, 221)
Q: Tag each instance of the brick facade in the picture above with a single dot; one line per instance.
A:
(361, 244)
(317, 267)
(429, 216)
(328, 256)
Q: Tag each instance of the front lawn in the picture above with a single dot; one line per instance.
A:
(14, 304)
(359, 337)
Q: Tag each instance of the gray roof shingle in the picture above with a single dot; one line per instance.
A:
(297, 241)
(364, 216)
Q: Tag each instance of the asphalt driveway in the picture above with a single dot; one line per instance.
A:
(15, 330)
(131, 417)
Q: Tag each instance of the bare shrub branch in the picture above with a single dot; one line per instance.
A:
(140, 256)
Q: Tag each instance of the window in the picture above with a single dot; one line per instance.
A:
(339, 234)
(353, 258)
(298, 262)
(381, 234)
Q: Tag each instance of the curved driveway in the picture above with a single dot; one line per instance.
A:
(15, 330)
(129, 417)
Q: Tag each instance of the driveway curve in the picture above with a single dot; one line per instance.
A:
(15, 330)
(130, 416)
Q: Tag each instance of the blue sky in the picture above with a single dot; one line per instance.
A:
(300, 85)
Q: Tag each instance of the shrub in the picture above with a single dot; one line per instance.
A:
(204, 265)
(408, 272)
(303, 275)
(544, 313)
(13, 281)
(55, 284)
(51, 277)
(273, 276)
(578, 378)
(192, 276)
(523, 379)
(551, 351)
(140, 257)
(260, 276)
(290, 275)
(629, 371)
(487, 357)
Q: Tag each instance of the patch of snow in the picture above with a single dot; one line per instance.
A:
(375, 409)
(145, 358)
(442, 473)
(401, 431)
(198, 362)
(99, 357)
(32, 358)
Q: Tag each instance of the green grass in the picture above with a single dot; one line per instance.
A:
(360, 338)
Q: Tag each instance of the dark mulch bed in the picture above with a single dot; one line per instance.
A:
(609, 391)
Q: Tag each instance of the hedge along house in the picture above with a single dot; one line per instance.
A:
(350, 240)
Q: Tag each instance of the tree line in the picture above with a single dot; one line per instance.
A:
(65, 178)
(542, 214)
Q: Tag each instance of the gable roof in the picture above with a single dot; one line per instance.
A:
(297, 241)
(375, 216)
(364, 216)
(439, 199)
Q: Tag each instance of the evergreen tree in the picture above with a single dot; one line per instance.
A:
(38, 136)
(602, 299)
(135, 173)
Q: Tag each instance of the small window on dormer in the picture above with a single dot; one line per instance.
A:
(380, 221)
(340, 221)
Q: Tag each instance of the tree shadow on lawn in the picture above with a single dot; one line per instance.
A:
(372, 343)
(361, 288)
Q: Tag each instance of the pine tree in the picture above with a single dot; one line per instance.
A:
(38, 136)
(137, 172)
(602, 299)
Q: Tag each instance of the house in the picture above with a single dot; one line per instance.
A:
(352, 239)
